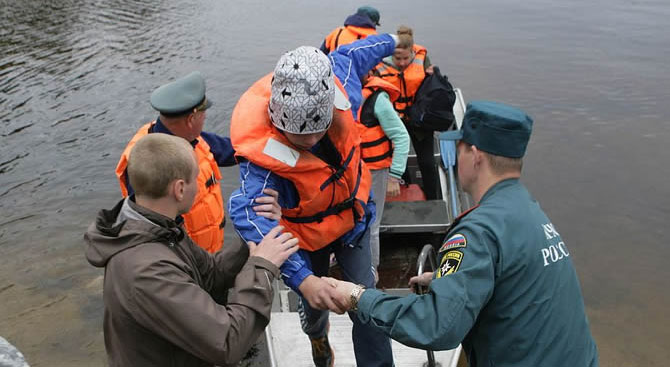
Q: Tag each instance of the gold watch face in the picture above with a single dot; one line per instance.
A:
(355, 293)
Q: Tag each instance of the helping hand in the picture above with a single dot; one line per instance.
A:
(269, 207)
(323, 295)
(275, 247)
(422, 280)
(343, 288)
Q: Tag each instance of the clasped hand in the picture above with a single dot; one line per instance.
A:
(327, 293)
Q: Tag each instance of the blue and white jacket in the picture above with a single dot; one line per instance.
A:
(350, 63)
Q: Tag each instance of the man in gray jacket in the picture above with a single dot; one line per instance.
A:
(159, 285)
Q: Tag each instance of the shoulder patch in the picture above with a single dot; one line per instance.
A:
(341, 101)
(281, 152)
(455, 241)
(450, 263)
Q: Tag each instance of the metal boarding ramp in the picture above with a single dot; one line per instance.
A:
(288, 346)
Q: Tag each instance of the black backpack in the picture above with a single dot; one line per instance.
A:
(433, 107)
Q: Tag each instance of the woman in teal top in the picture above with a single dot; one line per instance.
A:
(385, 145)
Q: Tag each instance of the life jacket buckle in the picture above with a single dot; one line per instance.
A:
(211, 182)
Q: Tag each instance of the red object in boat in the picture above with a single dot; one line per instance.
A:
(411, 192)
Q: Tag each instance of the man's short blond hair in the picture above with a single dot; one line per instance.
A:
(157, 160)
(501, 165)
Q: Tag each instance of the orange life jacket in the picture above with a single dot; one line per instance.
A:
(204, 222)
(331, 198)
(346, 35)
(376, 147)
(408, 80)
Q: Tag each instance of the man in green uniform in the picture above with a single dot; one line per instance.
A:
(506, 287)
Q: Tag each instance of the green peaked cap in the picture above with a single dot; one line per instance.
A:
(181, 95)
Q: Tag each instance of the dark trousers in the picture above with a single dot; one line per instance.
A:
(422, 141)
(371, 346)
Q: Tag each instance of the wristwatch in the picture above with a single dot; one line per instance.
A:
(355, 294)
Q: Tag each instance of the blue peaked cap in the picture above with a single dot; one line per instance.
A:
(369, 12)
(495, 128)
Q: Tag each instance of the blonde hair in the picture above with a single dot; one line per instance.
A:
(157, 160)
(405, 38)
(501, 165)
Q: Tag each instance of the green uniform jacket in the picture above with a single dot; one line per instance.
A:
(506, 288)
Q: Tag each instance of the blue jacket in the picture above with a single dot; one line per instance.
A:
(348, 65)
(252, 227)
(355, 20)
(505, 287)
(353, 61)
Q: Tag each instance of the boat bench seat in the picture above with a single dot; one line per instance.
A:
(430, 216)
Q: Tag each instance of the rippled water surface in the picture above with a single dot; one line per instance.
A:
(75, 78)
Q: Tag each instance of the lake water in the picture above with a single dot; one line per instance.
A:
(76, 75)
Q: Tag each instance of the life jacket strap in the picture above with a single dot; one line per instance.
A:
(337, 39)
(212, 181)
(337, 174)
(347, 203)
(378, 158)
(370, 144)
(318, 217)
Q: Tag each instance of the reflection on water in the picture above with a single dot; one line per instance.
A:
(75, 77)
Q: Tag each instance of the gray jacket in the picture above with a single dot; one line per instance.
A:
(159, 288)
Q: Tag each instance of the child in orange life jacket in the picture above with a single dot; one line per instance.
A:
(406, 69)
(384, 146)
(288, 136)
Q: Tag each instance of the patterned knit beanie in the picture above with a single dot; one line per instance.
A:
(303, 91)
